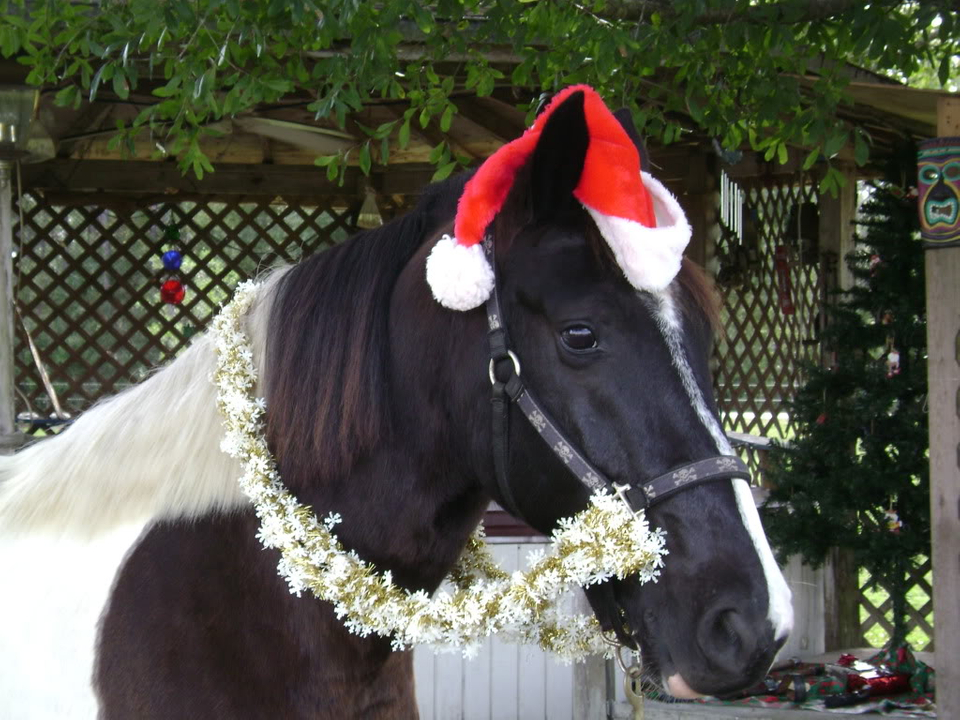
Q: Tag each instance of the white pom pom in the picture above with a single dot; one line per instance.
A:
(459, 276)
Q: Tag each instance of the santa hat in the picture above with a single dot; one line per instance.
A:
(636, 215)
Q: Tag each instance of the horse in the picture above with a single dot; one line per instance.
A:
(379, 409)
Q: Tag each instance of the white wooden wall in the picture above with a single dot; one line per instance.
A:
(510, 682)
(504, 682)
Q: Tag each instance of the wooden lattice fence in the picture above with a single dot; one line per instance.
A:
(771, 285)
(876, 608)
(88, 296)
(775, 282)
(88, 282)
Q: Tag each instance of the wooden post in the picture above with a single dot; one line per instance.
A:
(10, 439)
(943, 381)
(700, 199)
(589, 680)
(841, 580)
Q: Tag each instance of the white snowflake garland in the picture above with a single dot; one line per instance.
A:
(605, 540)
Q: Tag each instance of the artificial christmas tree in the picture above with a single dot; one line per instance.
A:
(856, 475)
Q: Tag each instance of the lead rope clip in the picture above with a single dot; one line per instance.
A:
(632, 673)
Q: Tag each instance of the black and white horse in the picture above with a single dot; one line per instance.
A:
(379, 409)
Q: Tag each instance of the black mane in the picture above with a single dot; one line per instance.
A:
(327, 343)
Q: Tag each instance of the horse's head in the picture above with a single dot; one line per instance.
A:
(624, 373)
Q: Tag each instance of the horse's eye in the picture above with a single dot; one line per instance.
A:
(578, 337)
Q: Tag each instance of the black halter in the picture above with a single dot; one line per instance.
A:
(508, 388)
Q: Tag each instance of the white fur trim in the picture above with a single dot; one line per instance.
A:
(649, 257)
(459, 276)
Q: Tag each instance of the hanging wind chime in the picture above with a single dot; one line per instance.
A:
(172, 290)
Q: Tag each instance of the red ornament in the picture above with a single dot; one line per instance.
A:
(821, 418)
(781, 265)
(172, 291)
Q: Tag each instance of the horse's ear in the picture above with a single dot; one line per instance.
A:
(558, 158)
(625, 118)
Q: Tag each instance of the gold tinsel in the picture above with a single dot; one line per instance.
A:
(605, 540)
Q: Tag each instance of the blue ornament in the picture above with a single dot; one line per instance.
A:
(172, 259)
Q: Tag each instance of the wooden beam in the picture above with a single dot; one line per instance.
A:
(10, 439)
(841, 579)
(836, 224)
(164, 178)
(700, 200)
(943, 380)
(489, 114)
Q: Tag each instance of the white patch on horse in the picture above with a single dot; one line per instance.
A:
(780, 610)
(152, 451)
(54, 592)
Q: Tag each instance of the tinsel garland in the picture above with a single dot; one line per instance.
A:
(605, 540)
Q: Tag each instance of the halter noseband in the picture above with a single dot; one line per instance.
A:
(504, 363)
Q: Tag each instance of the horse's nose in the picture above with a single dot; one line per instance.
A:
(736, 645)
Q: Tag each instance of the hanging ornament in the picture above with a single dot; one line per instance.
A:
(781, 264)
(893, 362)
(172, 291)
(822, 418)
(893, 521)
(172, 260)
(875, 262)
(886, 318)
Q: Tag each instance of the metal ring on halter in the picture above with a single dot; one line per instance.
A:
(516, 366)
(633, 670)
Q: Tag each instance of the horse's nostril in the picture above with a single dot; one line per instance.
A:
(723, 634)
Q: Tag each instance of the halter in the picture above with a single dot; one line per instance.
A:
(508, 388)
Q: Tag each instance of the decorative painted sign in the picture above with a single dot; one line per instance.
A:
(938, 186)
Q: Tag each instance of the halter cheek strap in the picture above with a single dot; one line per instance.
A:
(508, 388)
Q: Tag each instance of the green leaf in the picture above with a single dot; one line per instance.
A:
(447, 118)
(385, 151)
(121, 86)
(443, 172)
(811, 158)
(835, 143)
(95, 83)
(437, 153)
(67, 96)
(782, 154)
(9, 41)
(324, 160)
(384, 130)
(943, 72)
(365, 160)
(403, 137)
(861, 151)
(696, 112)
(170, 89)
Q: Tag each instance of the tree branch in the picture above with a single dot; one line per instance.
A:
(785, 11)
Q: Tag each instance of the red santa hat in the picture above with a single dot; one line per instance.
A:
(637, 216)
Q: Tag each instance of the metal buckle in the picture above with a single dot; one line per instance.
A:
(516, 366)
(621, 492)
